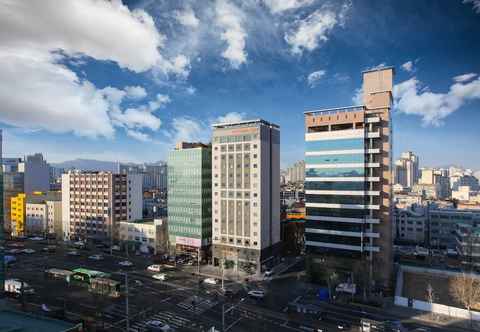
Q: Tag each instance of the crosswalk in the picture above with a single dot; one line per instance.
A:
(197, 305)
(173, 320)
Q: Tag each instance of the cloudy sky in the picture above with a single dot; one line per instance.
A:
(124, 81)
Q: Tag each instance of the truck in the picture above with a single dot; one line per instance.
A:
(15, 286)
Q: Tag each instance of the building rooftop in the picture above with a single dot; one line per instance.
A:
(15, 321)
(378, 69)
(244, 123)
(326, 111)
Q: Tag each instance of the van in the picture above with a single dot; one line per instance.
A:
(14, 286)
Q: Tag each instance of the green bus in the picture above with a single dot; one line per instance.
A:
(84, 277)
(96, 281)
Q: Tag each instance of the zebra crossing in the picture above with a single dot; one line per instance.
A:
(197, 305)
(172, 319)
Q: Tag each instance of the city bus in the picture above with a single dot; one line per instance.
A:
(84, 277)
(58, 274)
(105, 286)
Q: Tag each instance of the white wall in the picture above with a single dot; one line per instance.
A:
(66, 206)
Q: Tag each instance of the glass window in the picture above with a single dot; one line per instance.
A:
(335, 172)
(337, 144)
(335, 159)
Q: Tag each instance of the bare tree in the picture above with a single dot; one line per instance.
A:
(431, 298)
(466, 290)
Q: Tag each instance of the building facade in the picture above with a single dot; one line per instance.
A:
(18, 213)
(190, 198)
(411, 225)
(44, 214)
(94, 203)
(37, 174)
(348, 187)
(296, 172)
(246, 193)
(151, 234)
(406, 172)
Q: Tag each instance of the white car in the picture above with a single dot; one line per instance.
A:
(36, 238)
(258, 294)
(96, 257)
(268, 273)
(160, 276)
(73, 253)
(156, 325)
(28, 251)
(115, 248)
(154, 268)
(210, 281)
(125, 263)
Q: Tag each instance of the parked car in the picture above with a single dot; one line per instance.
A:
(96, 257)
(50, 248)
(258, 294)
(125, 263)
(210, 281)
(115, 248)
(28, 251)
(14, 286)
(73, 253)
(37, 238)
(268, 273)
(156, 325)
(160, 276)
(154, 268)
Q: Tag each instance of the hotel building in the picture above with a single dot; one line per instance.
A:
(94, 203)
(348, 187)
(246, 193)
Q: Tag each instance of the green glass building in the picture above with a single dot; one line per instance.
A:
(190, 198)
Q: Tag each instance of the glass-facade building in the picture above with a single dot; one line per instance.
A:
(348, 186)
(190, 197)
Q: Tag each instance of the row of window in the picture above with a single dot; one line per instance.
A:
(335, 144)
(335, 159)
(328, 185)
(340, 213)
(335, 172)
(335, 199)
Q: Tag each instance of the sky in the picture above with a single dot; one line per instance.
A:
(123, 81)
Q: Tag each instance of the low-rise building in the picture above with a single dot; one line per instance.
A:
(411, 225)
(146, 233)
(44, 214)
(468, 244)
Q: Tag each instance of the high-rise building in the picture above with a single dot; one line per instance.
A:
(2, 233)
(246, 192)
(406, 170)
(437, 178)
(154, 175)
(190, 198)
(13, 184)
(296, 172)
(18, 214)
(348, 187)
(37, 174)
(94, 203)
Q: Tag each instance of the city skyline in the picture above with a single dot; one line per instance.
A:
(110, 103)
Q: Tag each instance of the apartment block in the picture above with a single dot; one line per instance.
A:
(190, 198)
(44, 214)
(94, 203)
(246, 193)
(348, 187)
(18, 213)
(406, 172)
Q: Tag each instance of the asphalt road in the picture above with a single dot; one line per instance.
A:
(182, 301)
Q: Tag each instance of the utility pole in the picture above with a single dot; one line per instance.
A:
(223, 271)
(127, 314)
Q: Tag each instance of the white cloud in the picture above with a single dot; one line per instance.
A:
(51, 97)
(187, 18)
(189, 129)
(278, 6)
(475, 3)
(37, 37)
(160, 101)
(314, 77)
(191, 90)
(230, 117)
(357, 98)
(310, 32)
(83, 27)
(433, 107)
(408, 66)
(230, 19)
(464, 77)
(139, 136)
(379, 66)
(135, 92)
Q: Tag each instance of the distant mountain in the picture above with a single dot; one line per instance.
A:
(88, 165)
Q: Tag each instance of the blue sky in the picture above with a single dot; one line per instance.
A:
(115, 81)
